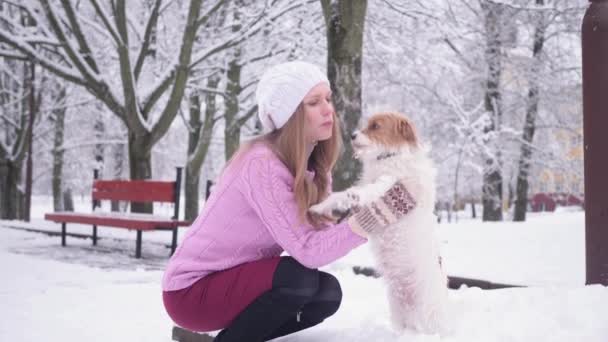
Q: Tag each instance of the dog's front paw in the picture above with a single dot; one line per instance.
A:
(337, 202)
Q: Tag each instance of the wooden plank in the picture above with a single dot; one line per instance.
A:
(135, 190)
(456, 282)
(51, 233)
(595, 120)
(129, 221)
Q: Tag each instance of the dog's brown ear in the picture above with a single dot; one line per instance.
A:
(408, 132)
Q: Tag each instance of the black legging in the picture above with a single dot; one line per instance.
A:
(300, 298)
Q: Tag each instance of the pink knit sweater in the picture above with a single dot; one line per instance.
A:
(250, 215)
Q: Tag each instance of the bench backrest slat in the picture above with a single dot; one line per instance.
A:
(134, 190)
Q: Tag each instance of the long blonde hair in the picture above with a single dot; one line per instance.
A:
(290, 145)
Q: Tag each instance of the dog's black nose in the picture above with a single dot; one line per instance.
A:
(353, 136)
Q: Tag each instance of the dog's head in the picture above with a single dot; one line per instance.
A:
(385, 133)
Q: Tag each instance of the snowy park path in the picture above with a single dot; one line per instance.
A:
(103, 294)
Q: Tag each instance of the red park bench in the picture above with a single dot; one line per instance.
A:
(142, 191)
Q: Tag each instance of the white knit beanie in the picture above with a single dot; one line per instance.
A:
(282, 88)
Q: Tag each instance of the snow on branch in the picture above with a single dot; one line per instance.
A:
(84, 67)
(60, 70)
(106, 22)
(12, 55)
(147, 38)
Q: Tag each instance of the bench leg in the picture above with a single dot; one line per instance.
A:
(138, 245)
(94, 235)
(63, 233)
(174, 241)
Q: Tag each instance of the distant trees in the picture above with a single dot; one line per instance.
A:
(483, 80)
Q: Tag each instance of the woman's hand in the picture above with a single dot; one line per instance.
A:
(322, 217)
(332, 206)
(356, 228)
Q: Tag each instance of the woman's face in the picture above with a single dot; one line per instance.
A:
(319, 112)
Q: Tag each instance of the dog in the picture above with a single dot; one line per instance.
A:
(406, 252)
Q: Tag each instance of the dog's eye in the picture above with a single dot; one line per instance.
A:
(375, 125)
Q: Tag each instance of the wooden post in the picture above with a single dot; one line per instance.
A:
(595, 121)
(177, 191)
(138, 245)
(208, 188)
(63, 233)
(96, 203)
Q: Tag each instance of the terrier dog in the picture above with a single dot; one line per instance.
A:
(406, 252)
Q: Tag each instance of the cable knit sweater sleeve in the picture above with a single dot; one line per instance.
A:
(268, 188)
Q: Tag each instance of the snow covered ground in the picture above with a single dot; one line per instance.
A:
(102, 293)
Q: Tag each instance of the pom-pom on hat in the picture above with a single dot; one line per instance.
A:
(282, 88)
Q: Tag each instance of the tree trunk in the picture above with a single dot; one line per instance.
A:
(492, 196)
(100, 133)
(473, 212)
(19, 200)
(29, 165)
(344, 20)
(68, 200)
(232, 129)
(118, 153)
(11, 158)
(58, 152)
(456, 173)
(11, 197)
(492, 173)
(10, 177)
(511, 195)
(192, 176)
(521, 200)
(198, 146)
(192, 194)
(140, 166)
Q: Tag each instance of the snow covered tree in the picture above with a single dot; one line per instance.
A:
(345, 22)
(521, 201)
(58, 118)
(428, 60)
(14, 141)
(494, 15)
(90, 37)
(231, 76)
(19, 109)
(198, 145)
(80, 66)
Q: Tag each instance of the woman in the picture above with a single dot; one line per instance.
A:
(227, 272)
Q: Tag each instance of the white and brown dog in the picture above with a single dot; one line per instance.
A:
(407, 252)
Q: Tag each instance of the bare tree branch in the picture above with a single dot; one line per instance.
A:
(80, 38)
(150, 27)
(458, 52)
(104, 19)
(181, 75)
(74, 57)
(241, 121)
(12, 55)
(203, 20)
(28, 50)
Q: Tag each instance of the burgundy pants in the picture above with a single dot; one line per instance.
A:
(214, 301)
